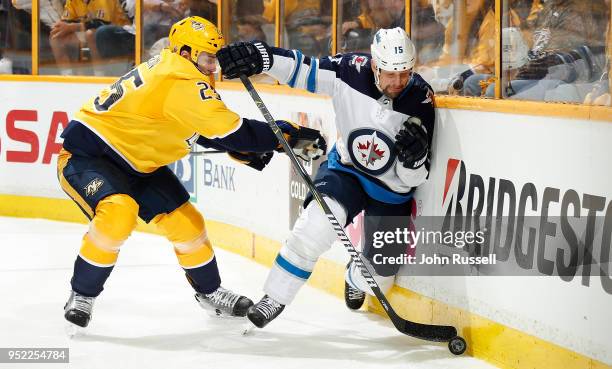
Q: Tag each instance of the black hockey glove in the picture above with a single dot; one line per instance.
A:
(307, 143)
(411, 144)
(247, 58)
(255, 160)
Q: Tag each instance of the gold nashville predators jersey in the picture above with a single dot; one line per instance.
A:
(154, 114)
(109, 11)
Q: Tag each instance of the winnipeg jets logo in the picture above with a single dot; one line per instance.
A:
(358, 61)
(370, 151)
(93, 187)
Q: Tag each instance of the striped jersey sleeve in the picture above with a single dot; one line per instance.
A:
(317, 75)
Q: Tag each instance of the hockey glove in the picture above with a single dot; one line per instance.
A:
(411, 144)
(307, 143)
(255, 160)
(246, 58)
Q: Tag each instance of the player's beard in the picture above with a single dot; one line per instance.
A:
(392, 94)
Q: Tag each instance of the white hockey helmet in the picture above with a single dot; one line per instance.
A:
(514, 49)
(393, 51)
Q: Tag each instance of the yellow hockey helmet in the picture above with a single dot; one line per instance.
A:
(197, 33)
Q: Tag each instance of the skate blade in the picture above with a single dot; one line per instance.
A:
(215, 313)
(248, 329)
(73, 330)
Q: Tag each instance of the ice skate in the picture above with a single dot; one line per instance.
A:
(264, 311)
(224, 303)
(78, 309)
(353, 297)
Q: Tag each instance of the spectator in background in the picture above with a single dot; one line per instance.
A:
(118, 42)
(527, 11)
(159, 16)
(293, 10)
(427, 33)
(443, 10)
(397, 9)
(247, 21)
(6, 64)
(474, 43)
(567, 54)
(374, 14)
(514, 56)
(16, 33)
(249, 28)
(471, 48)
(82, 18)
(600, 93)
(19, 25)
(307, 24)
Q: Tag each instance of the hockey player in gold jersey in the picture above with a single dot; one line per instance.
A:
(114, 157)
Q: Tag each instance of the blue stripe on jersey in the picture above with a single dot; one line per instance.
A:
(296, 71)
(373, 189)
(292, 269)
(311, 84)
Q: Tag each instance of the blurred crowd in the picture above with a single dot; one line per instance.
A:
(552, 50)
(88, 37)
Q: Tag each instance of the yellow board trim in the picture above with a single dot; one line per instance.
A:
(490, 341)
(523, 107)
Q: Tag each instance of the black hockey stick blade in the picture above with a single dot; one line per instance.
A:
(437, 333)
(430, 332)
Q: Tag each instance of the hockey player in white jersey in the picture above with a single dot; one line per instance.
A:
(385, 121)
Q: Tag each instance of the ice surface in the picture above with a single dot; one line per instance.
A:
(147, 316)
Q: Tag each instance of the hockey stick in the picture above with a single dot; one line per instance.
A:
(430, 332)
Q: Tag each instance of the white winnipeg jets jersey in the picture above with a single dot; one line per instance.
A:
(367, 121)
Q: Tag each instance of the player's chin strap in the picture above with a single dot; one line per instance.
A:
(377, 78)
